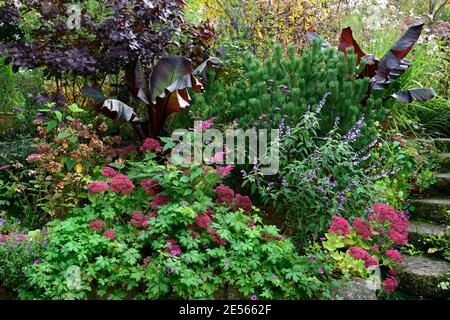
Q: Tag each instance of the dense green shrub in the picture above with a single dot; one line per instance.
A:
(163, 231)
(285, 86)
(43, 177)
(412, 164)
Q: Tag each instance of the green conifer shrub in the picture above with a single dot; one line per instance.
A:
(285, 86)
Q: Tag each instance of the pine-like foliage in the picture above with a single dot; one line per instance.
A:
(285, 87)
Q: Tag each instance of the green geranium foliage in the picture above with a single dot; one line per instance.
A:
(161, 231)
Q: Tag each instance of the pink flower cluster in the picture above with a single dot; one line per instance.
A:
(160, 200)
(339, 226)
(151, 144)
(97, 187)
(110, 234)
(96, 225)
(390, 284)
(108, 172)
(224, 171)
(394, 255)
(173, 248)
(362, 228)
(361, 254)
(139, 220)
(398, 231)
(121, 184)
(126, 150)
(203, 220)
(215, 238)
(151, 187)
(146, 261)
(244, 203)
(225, 194)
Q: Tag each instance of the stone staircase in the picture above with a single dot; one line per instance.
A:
(420, 275)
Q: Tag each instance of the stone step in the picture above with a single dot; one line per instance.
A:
(443, 182)
(418, 231)
(444, 159)
(434, 209)
(421, 276)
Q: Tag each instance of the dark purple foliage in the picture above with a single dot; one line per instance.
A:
(134, 29)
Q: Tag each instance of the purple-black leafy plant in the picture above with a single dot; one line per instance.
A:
(130, 29)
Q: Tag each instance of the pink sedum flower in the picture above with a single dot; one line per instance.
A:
(110, 234)
(225, 194)
(362, 228)
(244, 203)
(96, 225)
(121, 184)
(203, 220)
(151, 144)
(390, 284)
(108, 172)
(394, 255)
(398, 231)
(340, 226)
(361, 254)
(215, 238)
(139, 220)
(160, 200)
(126, 150)
(97, 187)
(151, 187)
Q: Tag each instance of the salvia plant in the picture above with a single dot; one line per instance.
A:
(319, 176)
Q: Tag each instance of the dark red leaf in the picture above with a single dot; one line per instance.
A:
(370, 66)
(347, 41)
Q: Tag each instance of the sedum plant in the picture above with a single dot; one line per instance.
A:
(159, 231)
